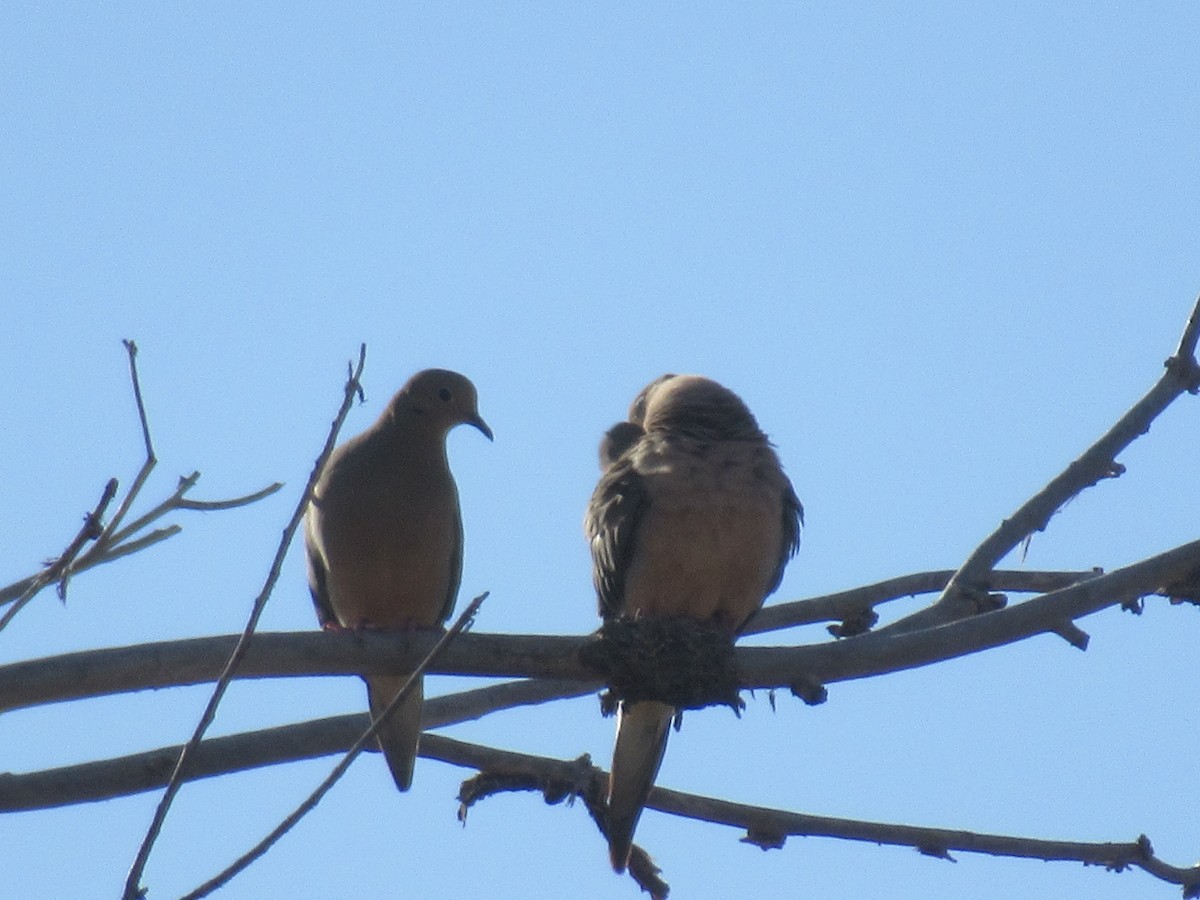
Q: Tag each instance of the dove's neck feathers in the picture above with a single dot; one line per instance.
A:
(410, 440)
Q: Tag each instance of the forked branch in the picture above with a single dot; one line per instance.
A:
(966, 593)
(112, 541)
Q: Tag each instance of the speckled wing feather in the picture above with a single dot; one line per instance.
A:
(611, 526)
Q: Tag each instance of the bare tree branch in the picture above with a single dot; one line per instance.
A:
(58, 569)
(466, 706)
(966, 593)
(966, 618)
(215, 505)
(133, 888)
(151, 459)
(881, 652)
(765, 827)
(113, 541)
(139, 772)
(121, 543)
(414, 678)
(92, 673)
(851, 605)
(768, 828)
(98, 672)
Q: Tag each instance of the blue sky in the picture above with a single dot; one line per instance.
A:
(937, 248)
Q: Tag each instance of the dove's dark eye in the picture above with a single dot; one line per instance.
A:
(445, 395)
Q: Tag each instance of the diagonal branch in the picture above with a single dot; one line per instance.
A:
(414, 678)
(966, 593)
(133, 888)
(59, 568)
(139, 772)
(856, 603)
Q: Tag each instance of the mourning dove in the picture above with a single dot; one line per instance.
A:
(694, 516)
(384, 535)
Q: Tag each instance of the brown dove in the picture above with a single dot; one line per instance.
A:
(384, 536)
(692, 516)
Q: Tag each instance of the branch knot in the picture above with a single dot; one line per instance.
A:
(1187, 370)
(677, 660)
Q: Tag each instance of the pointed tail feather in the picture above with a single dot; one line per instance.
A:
(400, 735)
(642, 730)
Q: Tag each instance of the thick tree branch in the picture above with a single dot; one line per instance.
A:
(138, 772)
(99, 672)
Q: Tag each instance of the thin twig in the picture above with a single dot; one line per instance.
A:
(133, 887)
(848, 604)
(186, 483)
(113, 541)
(107, 538)
(466, 706)
(128, 547)
(175, 501)
(60, 568)
(1185, 353)
(17, 589)
(132, 349)
(965, 591)
(213, 505)
(339, 770)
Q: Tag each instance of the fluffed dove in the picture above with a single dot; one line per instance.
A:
(692, 516)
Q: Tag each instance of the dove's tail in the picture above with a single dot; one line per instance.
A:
(642, 730)
(401, 733)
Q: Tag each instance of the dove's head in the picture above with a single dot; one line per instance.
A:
(440, 399)
(698, 407)
(637, 409)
